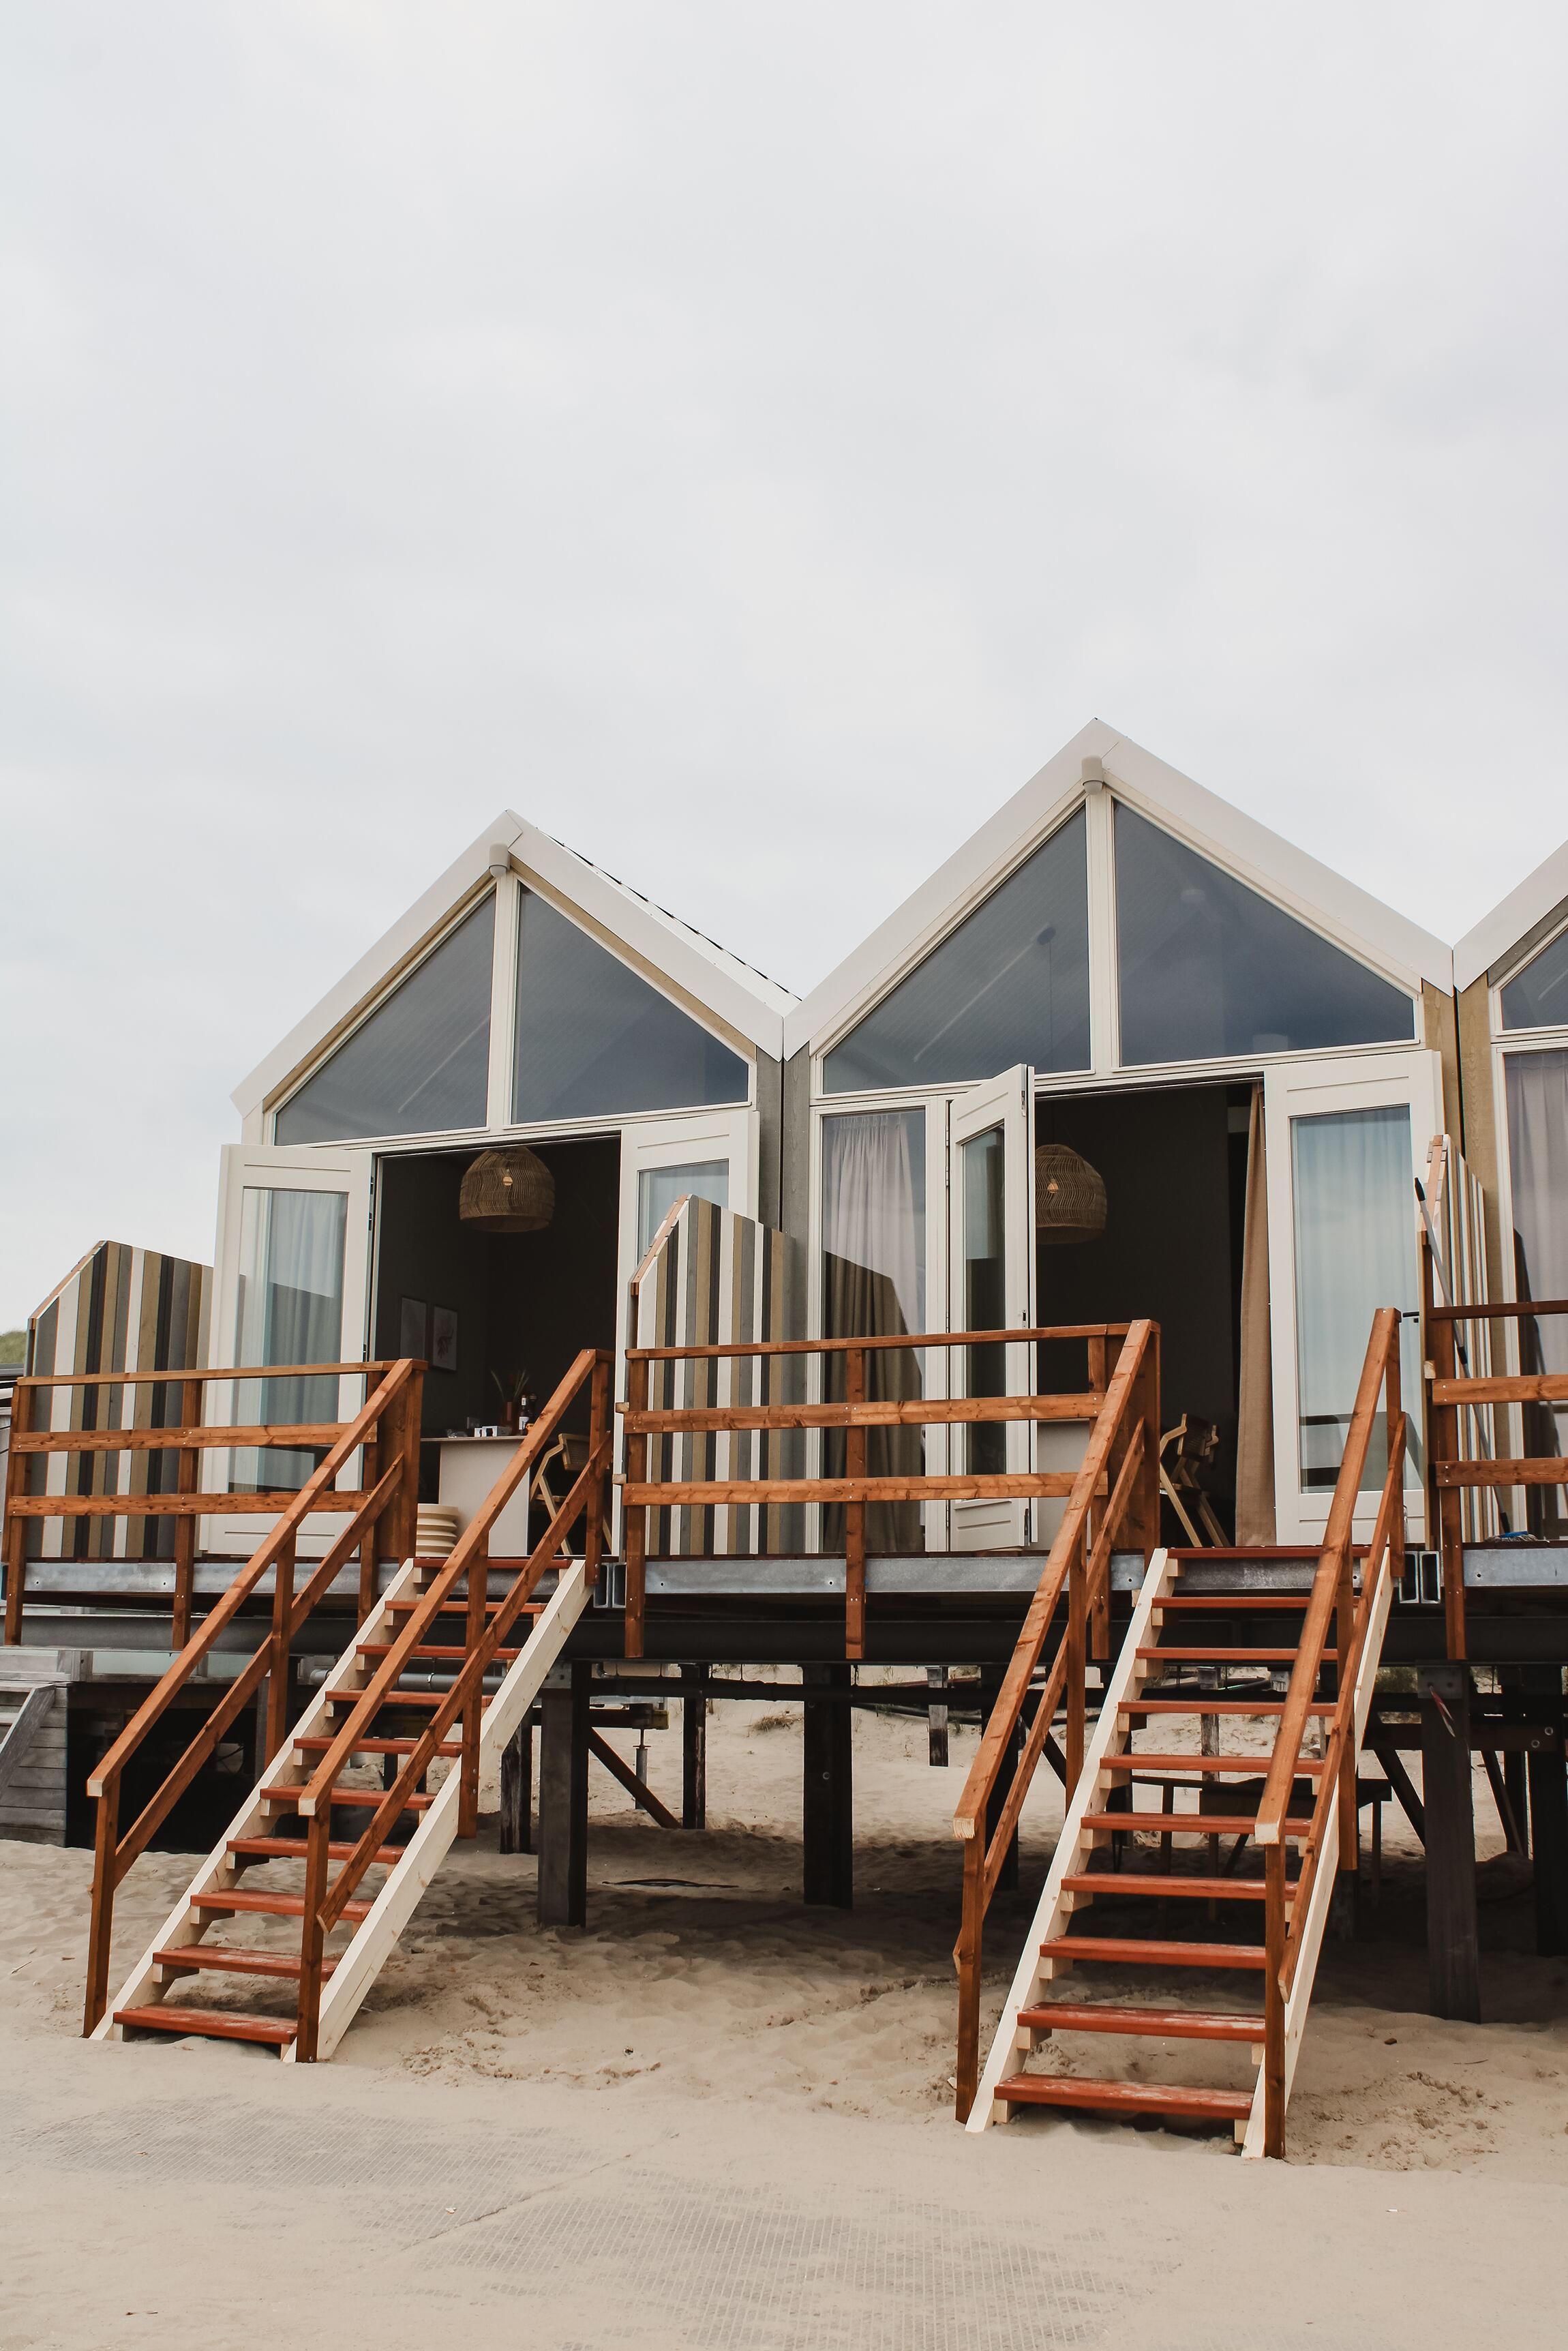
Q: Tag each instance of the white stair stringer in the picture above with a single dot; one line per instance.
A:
(1111, 1735)
(376, 1936)
(1320, 1899)
(378, 1932)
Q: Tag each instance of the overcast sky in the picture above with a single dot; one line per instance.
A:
(748, 440)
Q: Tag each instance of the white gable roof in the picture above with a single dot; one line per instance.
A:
(664, 948)
(1286, 875)
(1512, 919)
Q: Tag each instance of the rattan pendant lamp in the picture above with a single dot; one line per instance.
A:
(1069, 1197)
(508, 1192)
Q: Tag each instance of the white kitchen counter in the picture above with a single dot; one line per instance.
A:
(469, 1467)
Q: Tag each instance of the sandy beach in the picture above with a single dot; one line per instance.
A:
(704, 2007)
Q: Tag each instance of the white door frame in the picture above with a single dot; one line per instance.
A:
(284, 1167)
(1006, 1102)
(1305, 1089)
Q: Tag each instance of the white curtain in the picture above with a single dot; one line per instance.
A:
(873, 1212)
(1538, 1176)
(290, 1312)
(1353, 1190)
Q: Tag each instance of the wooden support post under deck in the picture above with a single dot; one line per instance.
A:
(1548, 1778)
(1453, 1947)
(828, 1793)
(517, 1789)
(563, 1797)
(936, 1715)
(693, 1747)
(1008, 1877)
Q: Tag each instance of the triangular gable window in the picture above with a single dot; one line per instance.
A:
(593, 1039)
(1537, 996)
(1209, 970)
(1011, 984)
(421, 1063)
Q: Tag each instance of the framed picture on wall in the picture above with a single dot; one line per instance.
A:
(444, 1339)
(411, 1328)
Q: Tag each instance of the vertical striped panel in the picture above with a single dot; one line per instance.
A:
(122, 1308)
(711, 1279)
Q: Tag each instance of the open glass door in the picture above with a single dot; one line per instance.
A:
(1345, 1142)
(291, 1287)
(991, 1288)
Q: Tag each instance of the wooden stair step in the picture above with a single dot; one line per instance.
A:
(213, 2023)
(316, 1742)
(226, 1900)
(1229, 1656)
(460, 1608)
(1166, 1886)
(232, 1960)
(429, 1649)
(1132, 1950)
(1221, 1824)
(1158, 2023)
(1126, 2097)
(1235, 1603)
(279, 1848)
(1211, 1702)
(286, 1799)
(428, 1699)
(1243, 1767)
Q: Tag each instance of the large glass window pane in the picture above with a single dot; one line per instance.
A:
(1537, 997)
(1537, 1087)
(1010, 985)
(594, 1038)
(1352, 1187)
(658, 1189)
(1208, 969)
(290, 1312)
(874, 1285)
(985, 1288)
(421, 1063)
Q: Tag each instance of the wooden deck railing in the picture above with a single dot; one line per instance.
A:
(391, 1430)
(1333, 1609)
(1455, 1403)
(486, 1628)
(387, 1426)
(854, 1414)
(1114, 1501)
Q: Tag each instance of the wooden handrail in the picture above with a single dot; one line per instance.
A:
(394, 1400)
(1332, 1604)
(207, 1375)
(1120, 1462)
(1502, 1309)
(916, 1339)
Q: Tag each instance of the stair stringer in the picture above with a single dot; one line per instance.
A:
(1320, 1900)
(376, 1936)
(148, 1982)
(1111, 1735)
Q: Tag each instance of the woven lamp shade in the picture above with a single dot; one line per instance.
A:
(508, 1192)
(1069, 1197)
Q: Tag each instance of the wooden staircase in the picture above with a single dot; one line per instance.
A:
(320, 1870)
(1206, 1832)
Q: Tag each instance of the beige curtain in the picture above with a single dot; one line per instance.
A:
(1255, 1421)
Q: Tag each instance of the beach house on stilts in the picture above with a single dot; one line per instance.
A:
(1119, 1298)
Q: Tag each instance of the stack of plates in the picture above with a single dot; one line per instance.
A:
(435, 1529)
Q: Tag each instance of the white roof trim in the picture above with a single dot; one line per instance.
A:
(1512, 920)
(1349, 915)
(739, 999)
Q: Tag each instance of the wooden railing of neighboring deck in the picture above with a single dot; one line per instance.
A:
(854, 1414)
(1455, 1403)
(1337, 1620)
(1113, 1503)
(387, 1426)
(486, 1628)
(392, 1431)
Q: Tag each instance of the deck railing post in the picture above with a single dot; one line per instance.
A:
(1274, 1937)
(312, 1937)
(599, 1426)
(634, 1516)
(1445, 1504)
(101, 1927)
(278, 1670)
(967, 1957)
(188, 1465)
(478, 1587)
(1077, 1655)
(15, 1525)
(854, 1512)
